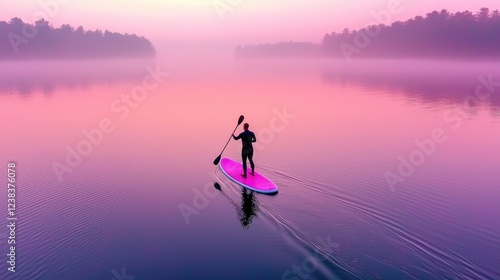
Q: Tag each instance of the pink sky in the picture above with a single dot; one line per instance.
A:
(249, 21)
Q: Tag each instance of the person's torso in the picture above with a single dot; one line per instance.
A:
(246, 138)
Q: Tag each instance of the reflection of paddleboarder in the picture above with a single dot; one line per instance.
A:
(249, 208)
(247, 137)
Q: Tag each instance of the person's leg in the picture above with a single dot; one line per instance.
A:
(244, 158)
(250, 158)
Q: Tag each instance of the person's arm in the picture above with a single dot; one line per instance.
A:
(254, 139)
(237, 137)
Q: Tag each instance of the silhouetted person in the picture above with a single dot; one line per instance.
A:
(247, 137)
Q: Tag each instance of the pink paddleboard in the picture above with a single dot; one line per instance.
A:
(258, 182)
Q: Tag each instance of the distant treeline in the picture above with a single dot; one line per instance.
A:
(20, 40)
(437, 35)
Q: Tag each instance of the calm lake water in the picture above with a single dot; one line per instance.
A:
(386, 170)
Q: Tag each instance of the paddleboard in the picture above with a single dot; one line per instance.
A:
(258, 182)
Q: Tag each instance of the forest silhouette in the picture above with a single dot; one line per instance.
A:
(440, 34)
(21, 41)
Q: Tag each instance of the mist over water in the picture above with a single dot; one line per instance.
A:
(327, 131)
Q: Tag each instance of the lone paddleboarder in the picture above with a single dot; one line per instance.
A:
(247, 137)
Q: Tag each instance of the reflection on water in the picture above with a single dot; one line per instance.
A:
(351, 123)
(48, 76)
(429, 81)
(248, 208)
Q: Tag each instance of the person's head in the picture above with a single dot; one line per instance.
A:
(246, 126)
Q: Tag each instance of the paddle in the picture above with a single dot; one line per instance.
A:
(217, 160)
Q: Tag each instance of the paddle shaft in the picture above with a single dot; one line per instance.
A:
(229, 139)
(240, 120)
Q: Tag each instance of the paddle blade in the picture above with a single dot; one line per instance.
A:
(217, 186)
(217, 160)
(240, 120)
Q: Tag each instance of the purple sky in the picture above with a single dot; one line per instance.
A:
(247, 21)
